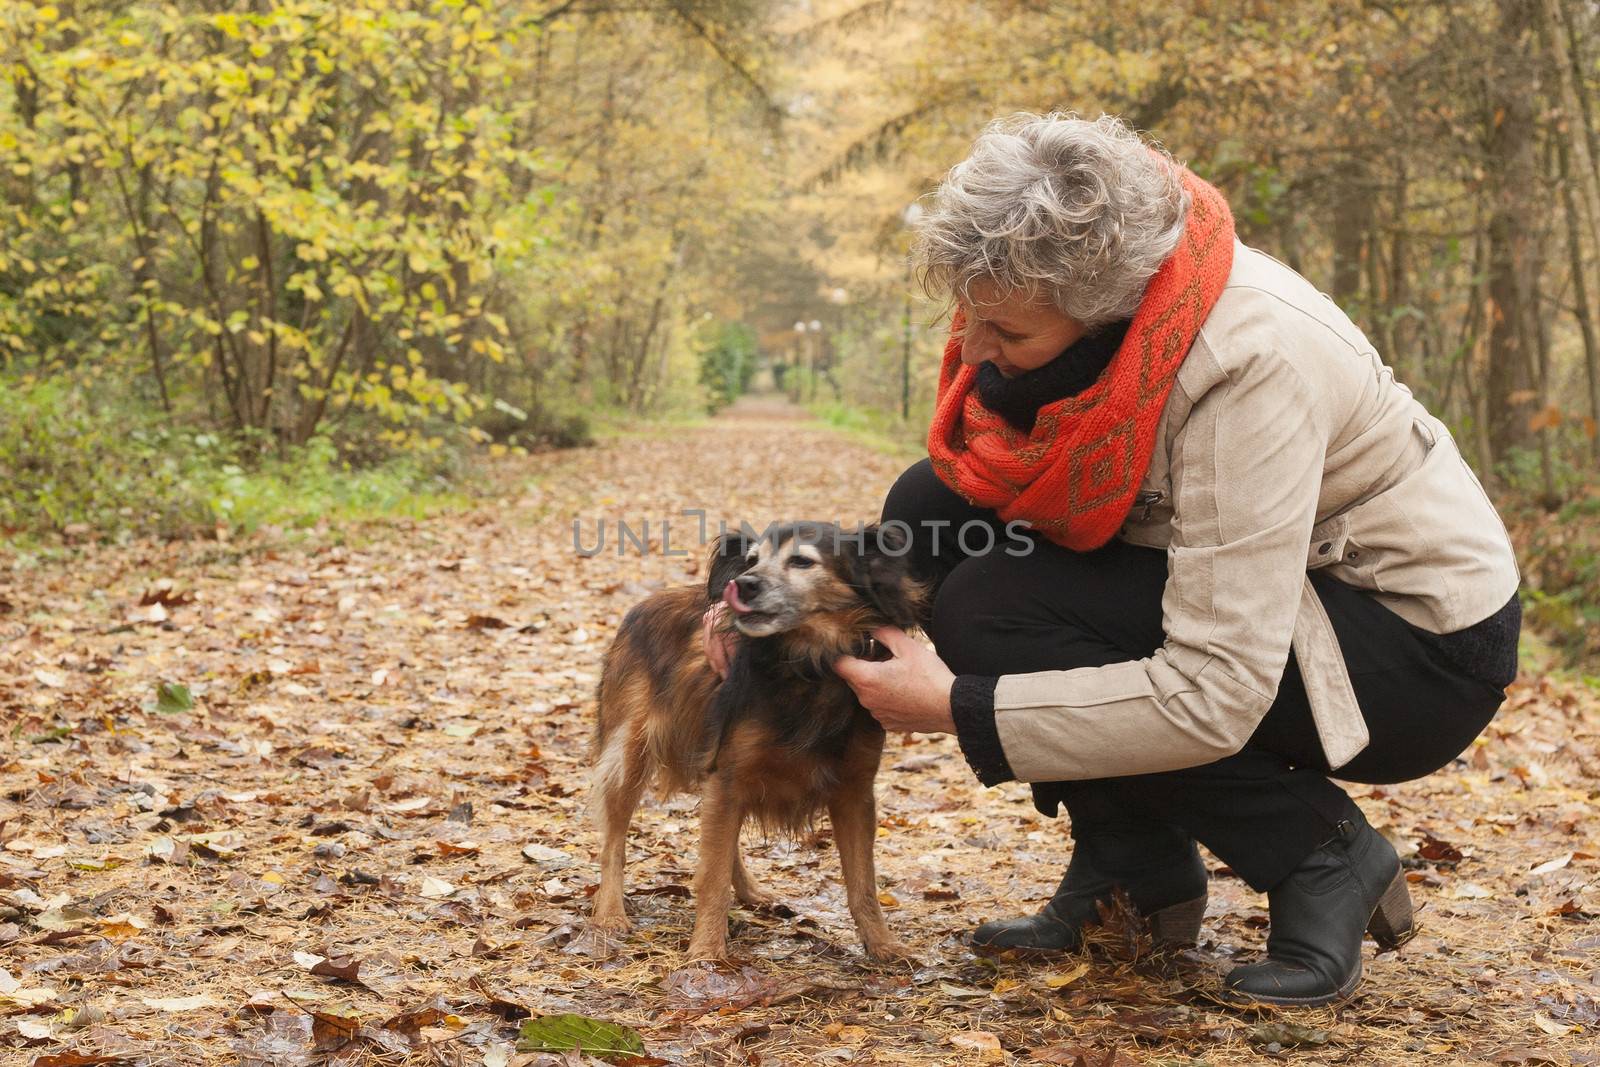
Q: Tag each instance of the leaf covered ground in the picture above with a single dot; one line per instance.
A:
(322, 800)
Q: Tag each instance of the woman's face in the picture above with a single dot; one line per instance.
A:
(1013, 334)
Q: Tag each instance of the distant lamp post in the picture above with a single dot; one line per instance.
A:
(816, 354)
(910, 216)
(838, 297)
(799, 359)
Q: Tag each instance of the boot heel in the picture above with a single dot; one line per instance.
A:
(1392, 923)
(1178, 924)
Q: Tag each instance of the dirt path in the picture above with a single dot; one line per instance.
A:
(327, 851)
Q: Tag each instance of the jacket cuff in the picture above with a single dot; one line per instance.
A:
(972, 708)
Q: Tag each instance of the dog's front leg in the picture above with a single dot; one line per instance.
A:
(855, 825)
(720, 817)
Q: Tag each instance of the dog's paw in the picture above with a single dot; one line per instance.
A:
(758, 899)
(890, 951)
(597, 940)
(706, 950)
(609, 923)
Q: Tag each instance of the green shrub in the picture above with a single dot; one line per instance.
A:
(69, 463)
(1560, 556)
(727, 362)
(536, 427)
(74, 462)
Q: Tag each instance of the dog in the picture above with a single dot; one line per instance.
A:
(779, 740)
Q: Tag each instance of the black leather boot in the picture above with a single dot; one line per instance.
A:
(1353, 882)
(1159, 868)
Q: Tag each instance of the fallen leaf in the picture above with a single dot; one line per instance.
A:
(219, 844)
(1436, 851)
(1553, 1028)
(13, 991)
(412, 1023)
(1552, 865)
(166, 850)
(165, 591)
(172, 698)
(1286, 1035)
(848, 1035)
(950, 989)
(579, 1033)
(549, 859)
(1468, 891)
(122, 927)
(981, 1041)
(435, 887)
(332, 1030)
(344, 968)
(1066, 978)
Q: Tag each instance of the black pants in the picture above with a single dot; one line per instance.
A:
(1263, 810)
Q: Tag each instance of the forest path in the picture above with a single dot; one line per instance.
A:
(385, 716)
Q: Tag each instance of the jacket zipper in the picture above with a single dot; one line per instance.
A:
(1146, 499)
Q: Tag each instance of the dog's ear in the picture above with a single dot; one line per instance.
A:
(726, 562)
(883, 575)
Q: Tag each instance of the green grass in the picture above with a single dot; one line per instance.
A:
(91, 467)
(313, 485)
(879, 430)
(609, 425)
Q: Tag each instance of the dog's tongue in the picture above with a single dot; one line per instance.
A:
(730, 597)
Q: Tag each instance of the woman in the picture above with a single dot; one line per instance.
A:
(1259, 560)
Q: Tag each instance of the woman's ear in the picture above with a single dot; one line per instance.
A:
(725, 563)
(883, 574)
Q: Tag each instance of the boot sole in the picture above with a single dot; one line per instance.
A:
(1344, 992)
(1176, 926)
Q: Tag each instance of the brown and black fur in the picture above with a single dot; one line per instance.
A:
(780, 740)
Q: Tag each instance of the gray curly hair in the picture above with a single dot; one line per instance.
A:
(1080, 212)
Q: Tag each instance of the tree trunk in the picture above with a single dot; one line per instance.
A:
(1511, 181)
(1574, 111)
(1351, 216)
(1580, 295)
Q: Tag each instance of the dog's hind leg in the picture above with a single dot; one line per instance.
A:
(744, 887)
(620, 776)
(720, 817)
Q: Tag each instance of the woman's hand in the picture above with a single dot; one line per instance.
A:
(718, 642)
(910, 692)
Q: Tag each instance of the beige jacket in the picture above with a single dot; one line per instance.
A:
(1286, 445)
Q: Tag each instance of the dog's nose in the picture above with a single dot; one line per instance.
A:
(748, 585)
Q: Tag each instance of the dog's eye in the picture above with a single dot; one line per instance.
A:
(802, 561)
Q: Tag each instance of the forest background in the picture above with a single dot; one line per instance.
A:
(264, 262)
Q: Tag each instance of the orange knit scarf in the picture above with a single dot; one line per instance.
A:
(1074, 476)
